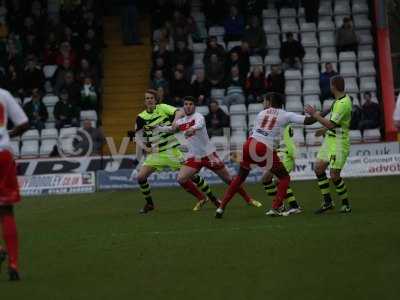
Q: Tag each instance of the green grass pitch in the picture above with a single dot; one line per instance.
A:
(97, 247)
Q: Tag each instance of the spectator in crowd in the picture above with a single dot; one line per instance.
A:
(193, 30)
(215, 71)
(182, 55)
(160, 65)
(72, 87)
(216, 119)
(370, 113)
(396, 114)
(276, 80)
(213, 48)
(234, 25)
(291, 52)
(201, 87)
(95, 144)
(87, 70)
(325, 81)
(36, 111)
(164, 53)
(254, 35)
(159, 81)
(346, 37)
(50, 50)
(88, 100)
(14, 81)
(31, 45)
(66, 53)
(244, 56)
(179, 88)
(65, 113)
(234, 85)
(33, 76)
(14, 51)
(163, 35)
(235, 60)
(256, 85)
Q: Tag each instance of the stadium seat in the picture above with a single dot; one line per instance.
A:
(256, 60)
(327, 104)
(341, 7)
(295, 36)
(219, 94)
(308, 27)
(68, 132)
(255, 108)
(32, 134)
(47, 147)
(293, 87)
(310, 71)
(365, 55)
(325, 9)
(348, 69)
(361, 22)
(238, 121)
(309, 39)
(313, 127)
(359, 7)
(289, 27)
(270, 13)
(355, 136)
(29, 149)
(311, 87)
(298, 136)
(220, 142)
(89, 115)
(326, 39)
(199, 47)
(292, 75)
(294, 105)
(371, 135)
(49, 71)
(334, 64)
(326, 25)
(217, 31)
(311, 55)
(273, 41)
(312, 140)
(237, 109)
(50, 125)
(272, 60)
(338, 21)
(251, 120)
(50, 100)
(232, 45)
(237, 142)
(49, 134)
(328, 56)
(271, 26)
(367, 84)
(355, 99)
(365, 37)
(224, 108)
(198, 62)
(366, 68)
(351, 85)
(313, 100)
(50, 112)
(15, 148)
(347, 56)
(202, 110)
(287, 13)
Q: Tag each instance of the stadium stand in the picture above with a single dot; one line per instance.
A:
(48, 49)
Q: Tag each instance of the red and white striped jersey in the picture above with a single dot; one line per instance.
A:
(270, 124)
(198, 144)
(9, 109)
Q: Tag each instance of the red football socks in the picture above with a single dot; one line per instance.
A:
(282, 187)
(10, 236)
(191, 188)
(231, 191)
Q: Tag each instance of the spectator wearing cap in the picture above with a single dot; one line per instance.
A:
(216, 119)
(256, 85)
(88, 100)
(65, 113)
(370, 113)
(325, 81)
(276, 80)
(234, 25)
(255, 36)
(36, 111)
(346, 37)
(201, 87)
(291, 52)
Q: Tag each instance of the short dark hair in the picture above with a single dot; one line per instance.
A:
(289, 34)
(152, 92)
(338, 82)
(276, 99)
(189, 98)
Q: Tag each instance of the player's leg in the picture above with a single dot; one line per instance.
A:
(205, 188)
(323, 184)
(232, 190)
(341, 190)
(184, 179)
(144, 173)
(10, 237)
(223, 173)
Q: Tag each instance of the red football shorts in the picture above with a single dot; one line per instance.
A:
(211, 162)
(257, 153)
(9, 189)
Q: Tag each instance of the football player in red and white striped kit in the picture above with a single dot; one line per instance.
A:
(9, 189)
(260, 149)
(201, 152)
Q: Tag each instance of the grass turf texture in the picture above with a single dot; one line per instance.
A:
(97, 247)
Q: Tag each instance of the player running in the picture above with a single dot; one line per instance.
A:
(162, 150)
(287, 154)
(201, 152)
(261, 149)
(9, 189)
(336, 146)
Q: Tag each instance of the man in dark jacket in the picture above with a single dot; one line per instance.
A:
(36, 111)
(65, 113)
(291, 52)
(216, 120)
(255, 36)
(276, 80)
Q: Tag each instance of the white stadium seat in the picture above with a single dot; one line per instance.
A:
(289, 27)
(327, 104)
(325, 9)
(361, 22)
(328, 56)
(295, 106)
(271, 26)
(298, 136)
(47, 147)
(348, 69)
(313, 100)
(293, 87)
(15, 148)
(255, 108)
(355, 136)
(252, 118)
(287, 12)
(89, 115)
(311, 87)
(216, 31)
(238, 121)
(256, 60)
(273, 41)
(199, 47)
(309, 39)
(49, 134)
(292, 75)
(224, 108)
(220, 142)
(327, 39)
(310, 71)
(366, 68)
(270, 13)
(237, 142)
(367, 84)
(311, 56)
(29, 149)
(365, 37)
(237, 109)
(219, 94)
(49, 71)
(50, 100)
(341, 7)
(308, 27)
(32, 134)
(365, 55)
(351, 85)
(312, 140)
(359, 7)
(272, 60)
(326, 25)
(202, 110)
(371, 135)
(232, 45)
(347, 56)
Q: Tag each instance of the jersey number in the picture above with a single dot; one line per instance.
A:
(2, 115)
(268, 122)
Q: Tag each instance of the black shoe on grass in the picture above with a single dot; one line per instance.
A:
(147, 208)
(325, 207)
(13, 275)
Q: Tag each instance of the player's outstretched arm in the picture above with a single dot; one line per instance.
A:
(317, 116)
(19, 130)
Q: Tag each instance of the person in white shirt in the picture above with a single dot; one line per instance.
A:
(201, 152)
(396, 114)
(261, 149)
(9, 189)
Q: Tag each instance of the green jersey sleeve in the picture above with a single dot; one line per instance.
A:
(168, 109)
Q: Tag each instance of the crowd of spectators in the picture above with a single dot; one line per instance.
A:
(175, 72)
(67, 35)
